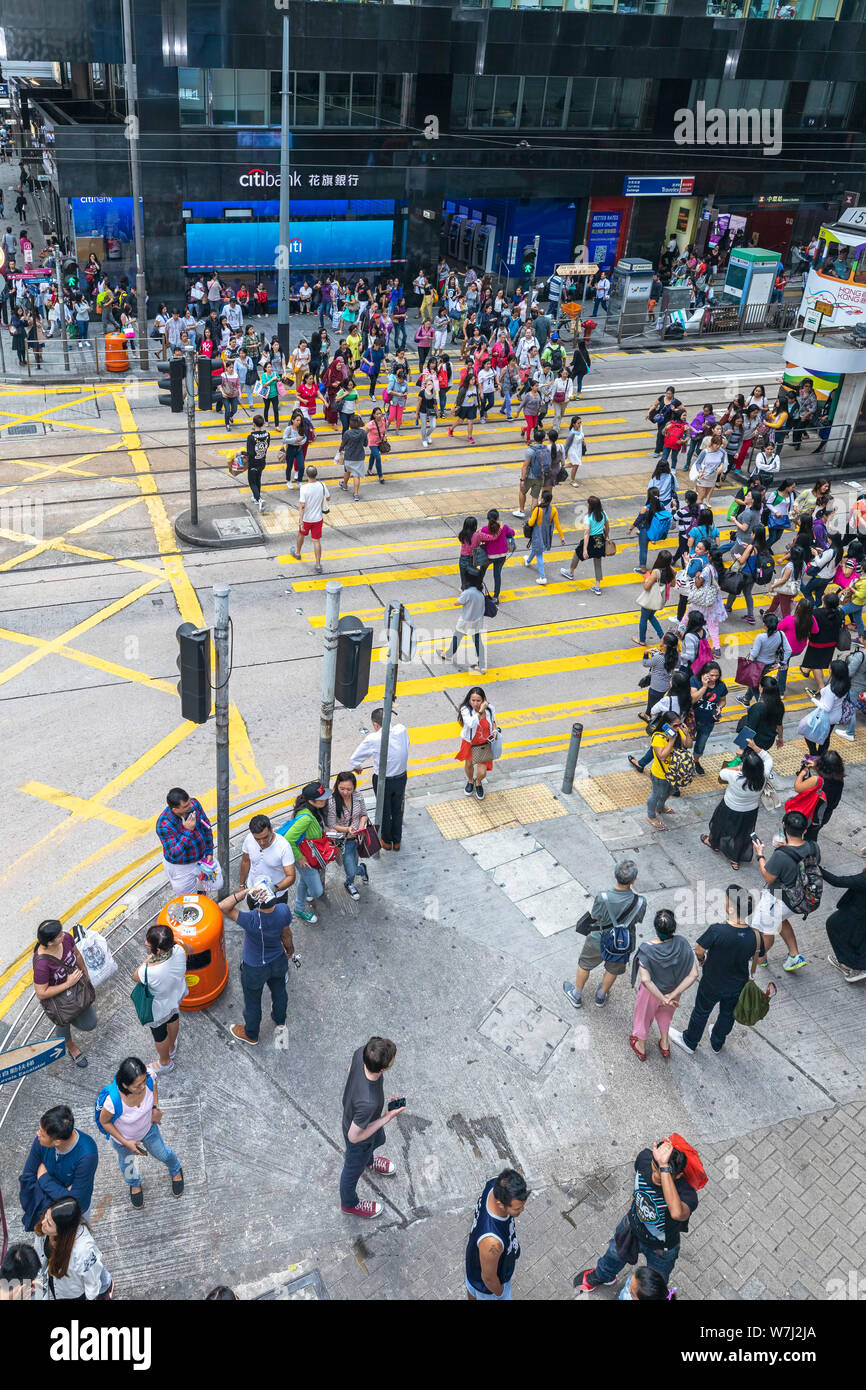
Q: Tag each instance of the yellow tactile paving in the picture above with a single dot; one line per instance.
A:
(519, 806)
(616, 791)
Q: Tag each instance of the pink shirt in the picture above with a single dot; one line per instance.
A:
(135, 1120)
(787, 626)
(494, 545)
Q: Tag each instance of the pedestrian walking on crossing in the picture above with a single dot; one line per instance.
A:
(616, 908)
(350, 455)
(477, 720)
(497, 542)
(669, 735)
(593, 544)
(542, 523)
(313, 499)
(653, 595)
(471, 621)
(466, 405)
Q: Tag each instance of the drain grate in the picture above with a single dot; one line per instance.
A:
(23, 429)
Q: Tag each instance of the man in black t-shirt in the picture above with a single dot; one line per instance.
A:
(363, 1122)
(258, 440)
(659, 1214)
(729, 952)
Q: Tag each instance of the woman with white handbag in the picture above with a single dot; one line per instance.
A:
(653, 595)
(705, 469)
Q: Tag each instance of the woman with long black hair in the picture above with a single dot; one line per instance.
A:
(736, 815)
(831, 700)
(477, 720)
(130, 1116)
(642, 522)
(308, 816)
(72, 1265)
(660, 667)
(798, 628)
(467, 547)
(763, 721)
(653, 595)
(786, 584)
(819, 653)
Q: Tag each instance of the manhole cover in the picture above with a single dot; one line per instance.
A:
(23, 429)
(309, 1286)
(235, 526)
(524, 1029)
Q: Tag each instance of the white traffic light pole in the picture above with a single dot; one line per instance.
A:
(333, 590)
(58, 275)
(393, 652)
(221, 719)
(189, 354)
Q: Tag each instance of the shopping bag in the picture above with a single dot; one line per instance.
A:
(368, 842)
(97, 956)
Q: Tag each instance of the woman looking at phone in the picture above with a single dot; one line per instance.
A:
(130, 1117)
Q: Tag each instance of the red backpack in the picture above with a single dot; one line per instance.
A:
(695, 1173)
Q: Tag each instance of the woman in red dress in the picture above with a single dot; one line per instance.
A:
(332, 381)
(477, 721)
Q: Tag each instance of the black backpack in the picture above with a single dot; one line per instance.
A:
(556, 359)
(804, 895)
(765, 567)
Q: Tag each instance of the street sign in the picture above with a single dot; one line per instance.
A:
(823, 306)
(812, 320)
(21, 1061)
(670, 186)
(408, 638)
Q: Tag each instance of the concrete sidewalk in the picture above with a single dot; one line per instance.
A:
(457, 951)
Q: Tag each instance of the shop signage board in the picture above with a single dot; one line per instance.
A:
(667, 186)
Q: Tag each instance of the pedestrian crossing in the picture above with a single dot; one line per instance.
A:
(554, 653)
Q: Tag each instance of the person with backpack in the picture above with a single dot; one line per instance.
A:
(674, 436)
(675, 699)
(664, 1201)
(728, 953)
(672, 764)
(648, 527)
(770, 648)
(307, 822)
(734, 819)
(793, 885)
(667, 967)
(127, 1112)
(536, 473)
(609, 935)
(542, 523)
(660, 412)
(654, 595)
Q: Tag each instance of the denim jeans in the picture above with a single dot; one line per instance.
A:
(375, 460)
(399, 336)
(309, 885)
(357, 1157)
(705, 1001)
(693, 446)
(647, 617)
(350, 859)
(702, 733)
(658, 1259)
(253, 980)
(670, 455)
(506, 402)
(156, 1147)
(230, 408)
(659, 794)
(813, 590)
(855, 611)
(538, 557)
(642, 546)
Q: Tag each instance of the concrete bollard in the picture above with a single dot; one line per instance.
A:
(571, 760)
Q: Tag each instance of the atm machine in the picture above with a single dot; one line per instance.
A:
(467, 236)
(454, 234)
(482, 247)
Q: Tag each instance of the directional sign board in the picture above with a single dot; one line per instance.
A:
(408, 638)
(21, 1061)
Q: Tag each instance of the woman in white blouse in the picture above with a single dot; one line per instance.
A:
(72, 1266)
(166, 979)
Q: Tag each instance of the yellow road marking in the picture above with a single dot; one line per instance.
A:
(84, 808)
(99, 663)
(247, 776)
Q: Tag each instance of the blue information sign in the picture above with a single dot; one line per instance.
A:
(670, 186)
(21, 1061)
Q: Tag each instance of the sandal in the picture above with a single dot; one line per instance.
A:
(635, 764)
(632, 1042)
(666, 1052)
(705, 840)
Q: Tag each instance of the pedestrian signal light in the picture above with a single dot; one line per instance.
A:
(528, 259)
(193, 662)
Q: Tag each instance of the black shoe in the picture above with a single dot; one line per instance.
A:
(469, 788)
(635, 764)
(699, 769)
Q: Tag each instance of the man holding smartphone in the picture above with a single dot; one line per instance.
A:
(364, 1123)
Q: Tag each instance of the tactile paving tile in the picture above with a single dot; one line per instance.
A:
(617, 791)
(517, 806)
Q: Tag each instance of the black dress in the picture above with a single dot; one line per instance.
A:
(846, 925)
(819, 653)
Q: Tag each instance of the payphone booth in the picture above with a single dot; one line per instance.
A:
(629, 297)
(751, 276)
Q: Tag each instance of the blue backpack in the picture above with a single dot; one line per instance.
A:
(615, 942)
(659, 526)
(287, 825)
(112, 1093)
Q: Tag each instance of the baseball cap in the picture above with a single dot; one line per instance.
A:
(314, 791)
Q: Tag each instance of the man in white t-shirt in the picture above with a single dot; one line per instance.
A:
(311, 507)
(265, 854)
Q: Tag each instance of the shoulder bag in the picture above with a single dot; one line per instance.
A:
(66, 1007)
(142, 999)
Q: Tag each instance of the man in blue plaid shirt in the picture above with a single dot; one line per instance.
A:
(187, 843)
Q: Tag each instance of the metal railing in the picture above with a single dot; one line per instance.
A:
(731, 319)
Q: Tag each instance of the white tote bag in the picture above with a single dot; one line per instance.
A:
(97, 956)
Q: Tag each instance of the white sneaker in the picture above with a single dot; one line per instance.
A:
(292, 487)
(843, 733)
(527, 560)
(676, 1037)
(518, 512)
(541, 581)
(281, 1034)
(567, 574)
(261, 504)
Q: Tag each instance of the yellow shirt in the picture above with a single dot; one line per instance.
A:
(353, 343)
(538, 515)
(657, 767)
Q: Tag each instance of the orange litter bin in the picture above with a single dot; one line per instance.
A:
(116, 355)
(198, 923)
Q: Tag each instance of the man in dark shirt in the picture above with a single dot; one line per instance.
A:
(364, 1123)
(729, 952)
(659, 1214)
(267, 947)
(258, 440)
(780, 872)
(61, 1163)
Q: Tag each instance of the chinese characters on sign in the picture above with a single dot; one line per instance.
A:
(332, 180)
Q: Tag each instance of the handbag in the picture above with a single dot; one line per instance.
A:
(815, 726)
(318, 853)
(491, 606)
(384, 447)
(843, 641)
(96, 954)
(650, 598)
(259, 391)
(281, 388)
(368, 842)
(609, 548)
(142, 999)
(496, 744)
(66, 1007)
(237, 465)
(753, 1003)
(749, 672)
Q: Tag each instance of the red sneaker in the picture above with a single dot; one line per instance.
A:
(581, 1282)
(364, 1208)
(382, 1165)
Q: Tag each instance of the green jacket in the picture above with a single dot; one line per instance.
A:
(305, 824)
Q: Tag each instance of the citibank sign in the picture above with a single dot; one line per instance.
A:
(263, 178)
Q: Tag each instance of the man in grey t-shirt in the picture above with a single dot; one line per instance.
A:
(619, 906)
(364, 1123)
